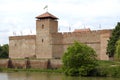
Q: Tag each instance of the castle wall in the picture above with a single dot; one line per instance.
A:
(22, 46)
(57, 46)
(18, 63)
(104, 37)
(39, 63)
(95, 39)
(3, 63)
(55, 63)
(92, 39)
(31, 63)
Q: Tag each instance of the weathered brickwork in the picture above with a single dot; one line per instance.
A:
(22, 46)
(17, 63)
(57, 46)
(4, 63)
(104, 37)
(31, 63)
(44, 28)
(55, 63)
(49, 44)
(40, 63)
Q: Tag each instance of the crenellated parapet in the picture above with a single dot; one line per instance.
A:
(22, 37)
(84, 37)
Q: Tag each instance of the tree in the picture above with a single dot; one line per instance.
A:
(117, 51)
(79, 59)
(4, 50)
(113, 39)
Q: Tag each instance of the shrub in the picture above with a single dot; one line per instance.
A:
(79, 59)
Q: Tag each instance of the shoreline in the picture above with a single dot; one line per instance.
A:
(104, 69)
(30, 70)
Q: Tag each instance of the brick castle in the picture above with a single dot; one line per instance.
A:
(48, 43)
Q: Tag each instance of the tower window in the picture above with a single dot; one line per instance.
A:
(42, 26)
(42, 40)
(15, 44)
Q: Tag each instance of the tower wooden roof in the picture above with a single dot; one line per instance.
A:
(46, 15)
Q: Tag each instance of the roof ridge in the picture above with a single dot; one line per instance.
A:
(46, 15)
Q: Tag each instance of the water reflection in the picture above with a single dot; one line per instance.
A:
(34, 76)
(3, 76)
(46, 76)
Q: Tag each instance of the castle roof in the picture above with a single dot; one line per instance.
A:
(46, 15)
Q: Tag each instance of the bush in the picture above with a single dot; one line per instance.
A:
(79, 59)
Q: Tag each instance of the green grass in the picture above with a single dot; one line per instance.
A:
(108, 63)
(30, 70)
(107, 69)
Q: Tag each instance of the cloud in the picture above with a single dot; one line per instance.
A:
(19, 15)
(64, 23)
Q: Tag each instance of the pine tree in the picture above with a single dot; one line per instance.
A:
(113, 39)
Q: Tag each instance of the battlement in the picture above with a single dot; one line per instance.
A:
(56, 34)
(105, 31)
(22, 37)
(69, 34)
(86, 33)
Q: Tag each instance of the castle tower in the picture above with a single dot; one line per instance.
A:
(46, 24)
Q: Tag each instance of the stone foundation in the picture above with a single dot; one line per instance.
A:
(4, 63)
(31, 63)
(41, 64)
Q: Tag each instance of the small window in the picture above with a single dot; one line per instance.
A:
(42, 40)
(42, 26)
(15, 44)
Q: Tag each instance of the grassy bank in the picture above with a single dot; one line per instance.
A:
(107, 69)
(108, 63)
(30, 70)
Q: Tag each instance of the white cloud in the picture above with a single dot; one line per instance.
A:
(18, 15)
(64, 23)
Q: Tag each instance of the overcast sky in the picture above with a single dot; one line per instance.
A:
(18, 16)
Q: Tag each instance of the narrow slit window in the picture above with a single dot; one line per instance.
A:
(42, 26)
(42, 40)
(15, 44)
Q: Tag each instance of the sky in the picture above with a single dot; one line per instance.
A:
(17, 17)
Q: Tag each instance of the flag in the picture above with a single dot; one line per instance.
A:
(45, 7)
